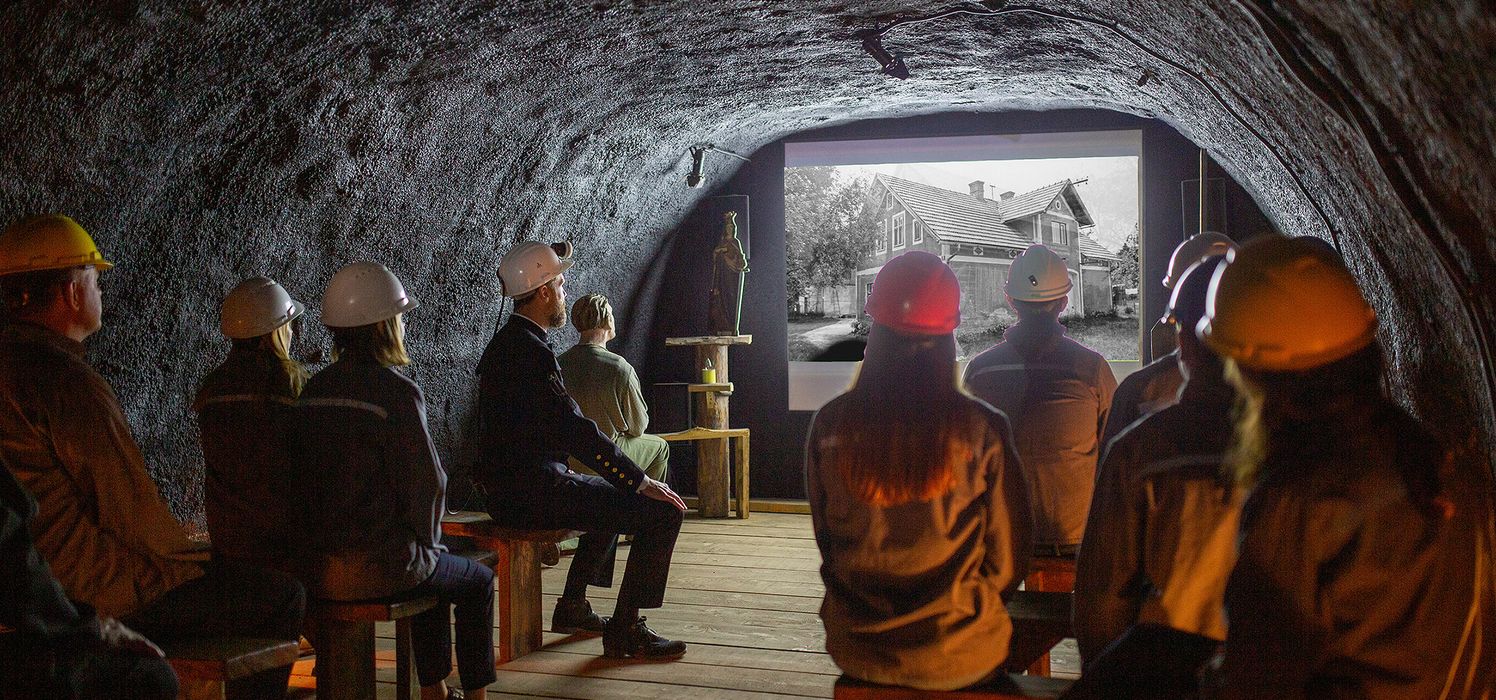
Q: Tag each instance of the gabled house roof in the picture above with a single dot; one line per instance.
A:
(958, 217)
(955, 217)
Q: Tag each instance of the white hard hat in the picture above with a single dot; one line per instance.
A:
(1038, 274)
(530, 264)
(1194, 249)
(363, 293)
(255, 307)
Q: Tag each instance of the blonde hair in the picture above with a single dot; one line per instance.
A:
(592, 312)
(381, 342)
(909, 424)
(277, 344)
(1249, 440)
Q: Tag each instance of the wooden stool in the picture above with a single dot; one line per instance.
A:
(516, 571)
(345, 661)
(204, 666)
(1049, 575)
(1004, 687)
(739, 438)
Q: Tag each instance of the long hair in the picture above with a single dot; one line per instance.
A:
(1280, 413)
(909, 424)
(381, 342)
(284, 371)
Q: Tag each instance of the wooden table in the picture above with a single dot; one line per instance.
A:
(738, 436)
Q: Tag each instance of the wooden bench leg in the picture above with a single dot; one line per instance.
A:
(1047, 581)
(740, 475)
(407, 686)
(191, 689)
(345, 663)
(517, 574)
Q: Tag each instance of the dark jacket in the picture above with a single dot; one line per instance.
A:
(1057, 394)
(1364, 570)
(914, 592)
(247, 420)
(375, 485)
(32, 603)
(1161, 537)
(1149, 389)
(530, 423)
(101, 523)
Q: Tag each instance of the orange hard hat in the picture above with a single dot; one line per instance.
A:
(916, 293)
(1284, 304)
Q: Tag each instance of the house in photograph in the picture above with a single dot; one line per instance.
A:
(980, 236)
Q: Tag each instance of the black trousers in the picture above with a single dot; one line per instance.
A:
(92, 672)
(468, 588)
(603, 512)
(230, 600)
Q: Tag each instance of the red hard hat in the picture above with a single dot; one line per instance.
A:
(916, 293)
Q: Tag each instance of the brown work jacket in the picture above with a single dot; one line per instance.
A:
(1152, 388)
(914, 592)
(1161, 537)
(1364, 568)
(1057, 393)
(100, 523)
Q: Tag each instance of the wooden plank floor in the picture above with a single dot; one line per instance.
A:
(743, 595)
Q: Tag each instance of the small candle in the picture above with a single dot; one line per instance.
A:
(709, 375)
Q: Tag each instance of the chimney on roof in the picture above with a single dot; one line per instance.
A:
(978, 189)
(1007, 196)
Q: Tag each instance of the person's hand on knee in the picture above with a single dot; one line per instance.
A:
(117, 636)
(660, 491)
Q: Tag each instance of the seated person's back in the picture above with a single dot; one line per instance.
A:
(920, 512)
(606, 389)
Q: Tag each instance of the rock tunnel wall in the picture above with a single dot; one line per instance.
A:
(203, 143)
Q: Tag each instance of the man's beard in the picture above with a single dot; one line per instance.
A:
(558, 315)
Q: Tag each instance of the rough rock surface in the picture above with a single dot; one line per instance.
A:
(203, 143)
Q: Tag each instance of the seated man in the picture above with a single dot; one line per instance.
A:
(606, 388)
(52, 647)
(1055, 391)
(1157, 385)
(100, 523)
(1161, 538)
(530, 425)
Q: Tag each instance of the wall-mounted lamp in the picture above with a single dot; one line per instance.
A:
(892, 64)
(698, 160)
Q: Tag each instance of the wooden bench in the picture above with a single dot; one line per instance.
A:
(1049, 575)
(205, 666)
(739, 438)
(345, 631)
(1040, 620)
(516, 571)
(1004, 687)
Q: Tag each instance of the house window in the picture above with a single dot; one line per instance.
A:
(919, 232)
(898, 230)
(882, 236)
(1060, 232)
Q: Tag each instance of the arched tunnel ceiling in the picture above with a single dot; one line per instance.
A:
(204, 143)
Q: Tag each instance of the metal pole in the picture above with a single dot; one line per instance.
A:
(1201, 220)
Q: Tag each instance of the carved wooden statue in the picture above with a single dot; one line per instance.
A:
(728, 268)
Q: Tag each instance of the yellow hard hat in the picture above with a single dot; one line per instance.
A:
(1281, 304)
(49, 242)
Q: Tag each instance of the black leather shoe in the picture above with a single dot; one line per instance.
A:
(621, 641)
(576, 616)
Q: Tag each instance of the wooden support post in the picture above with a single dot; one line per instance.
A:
(711, 455)
(345, 662)
(407, 686)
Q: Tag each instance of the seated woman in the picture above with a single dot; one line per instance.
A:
(920, 510)
(377, 488)
(246, 416)
(1364, 558)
